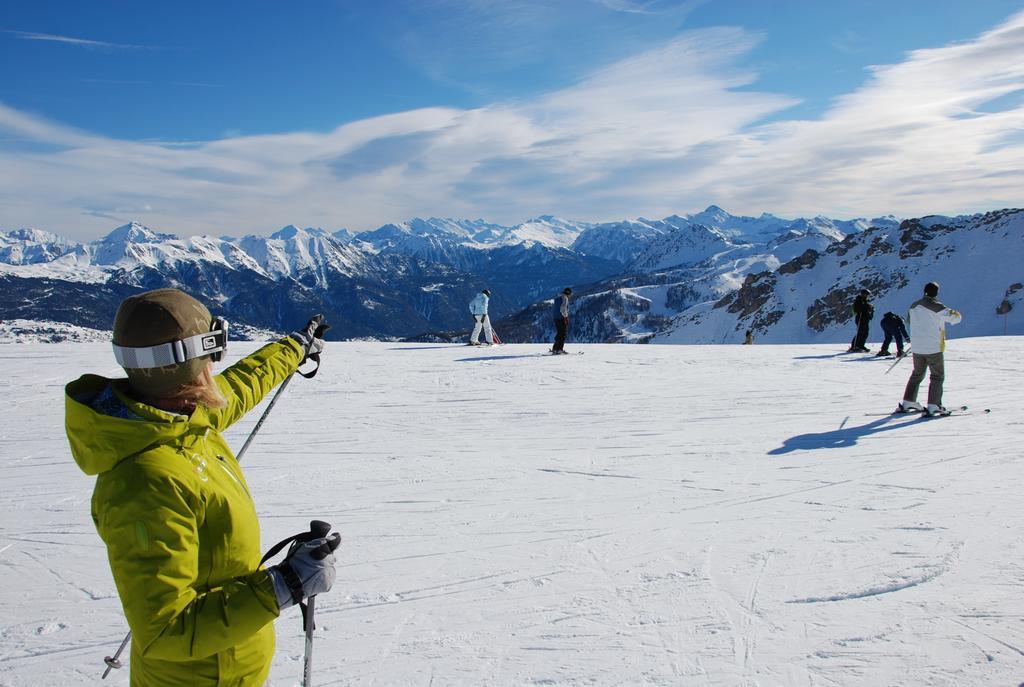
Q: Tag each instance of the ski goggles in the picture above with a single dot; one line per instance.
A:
(212, 343)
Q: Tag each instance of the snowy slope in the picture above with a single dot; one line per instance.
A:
(659, 515)
(976, 259)
(35, 331)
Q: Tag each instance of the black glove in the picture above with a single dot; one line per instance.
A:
(307, 571)
(311, 337)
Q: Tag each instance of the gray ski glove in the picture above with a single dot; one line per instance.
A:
(311, 337)
(307, 571)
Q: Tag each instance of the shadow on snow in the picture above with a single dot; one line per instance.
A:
(497, 357)
(844, 437)
(855, 357)
(827, 356)
(426, 348)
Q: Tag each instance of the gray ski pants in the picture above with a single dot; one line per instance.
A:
(924, 362)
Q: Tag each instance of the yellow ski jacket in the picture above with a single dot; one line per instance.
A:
(180, 525)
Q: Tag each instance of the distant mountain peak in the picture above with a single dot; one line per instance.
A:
(135, 232)
(286, 232)
(33, 235)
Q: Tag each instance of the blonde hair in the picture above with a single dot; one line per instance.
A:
(201, 391)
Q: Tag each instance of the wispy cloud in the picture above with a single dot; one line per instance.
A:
(628, 6)
(651, 7)
(197, 84)
(117, 82)
(81, 42)
(670, 129)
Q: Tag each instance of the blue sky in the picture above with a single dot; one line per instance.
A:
(240, 117)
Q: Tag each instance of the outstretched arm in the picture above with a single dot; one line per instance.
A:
(250, 379)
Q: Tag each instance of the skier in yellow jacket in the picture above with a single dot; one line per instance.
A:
(170, 501)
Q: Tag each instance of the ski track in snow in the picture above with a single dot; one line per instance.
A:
(656, 515)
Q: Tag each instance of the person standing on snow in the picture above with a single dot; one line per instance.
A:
(863, 311)
(894, 328)
(561, 316)
(928, 319)
(478, 308)
(170, 501)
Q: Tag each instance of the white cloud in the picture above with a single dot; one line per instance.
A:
(68, 40)
(672, 129)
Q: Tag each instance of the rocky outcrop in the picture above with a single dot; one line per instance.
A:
(757, 289)
(805, 260)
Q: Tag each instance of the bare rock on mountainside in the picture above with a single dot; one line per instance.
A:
(751, 297)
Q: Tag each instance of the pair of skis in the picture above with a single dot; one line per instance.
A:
(924, 415)
(495, 339)
(946, 412)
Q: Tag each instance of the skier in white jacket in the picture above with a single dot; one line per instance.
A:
(478, 308)
(928, 318)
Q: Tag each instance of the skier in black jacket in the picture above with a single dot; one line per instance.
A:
(894, 328)
(863, 311)
(561, 316)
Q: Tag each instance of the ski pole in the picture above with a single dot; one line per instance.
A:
(898, 359)
(112, 661)
(315, 357)
(263, 417)
(307, 661)
(318, 528)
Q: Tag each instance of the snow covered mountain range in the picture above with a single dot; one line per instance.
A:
(704, 277)
(706, 285)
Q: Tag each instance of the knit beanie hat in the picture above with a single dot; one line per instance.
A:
(159, 317)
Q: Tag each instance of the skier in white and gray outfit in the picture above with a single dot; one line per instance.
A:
(478, 308)
(561, 316)
(928, 319)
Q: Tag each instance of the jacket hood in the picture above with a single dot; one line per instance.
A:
(104, 426)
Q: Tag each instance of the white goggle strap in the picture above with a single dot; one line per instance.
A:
(172, 353)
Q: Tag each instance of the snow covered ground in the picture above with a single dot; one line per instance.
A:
(655, 515)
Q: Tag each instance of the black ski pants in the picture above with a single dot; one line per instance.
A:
(561, 330)
(861, 338)
(889, 336)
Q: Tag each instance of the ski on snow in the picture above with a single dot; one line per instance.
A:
(961, 410)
